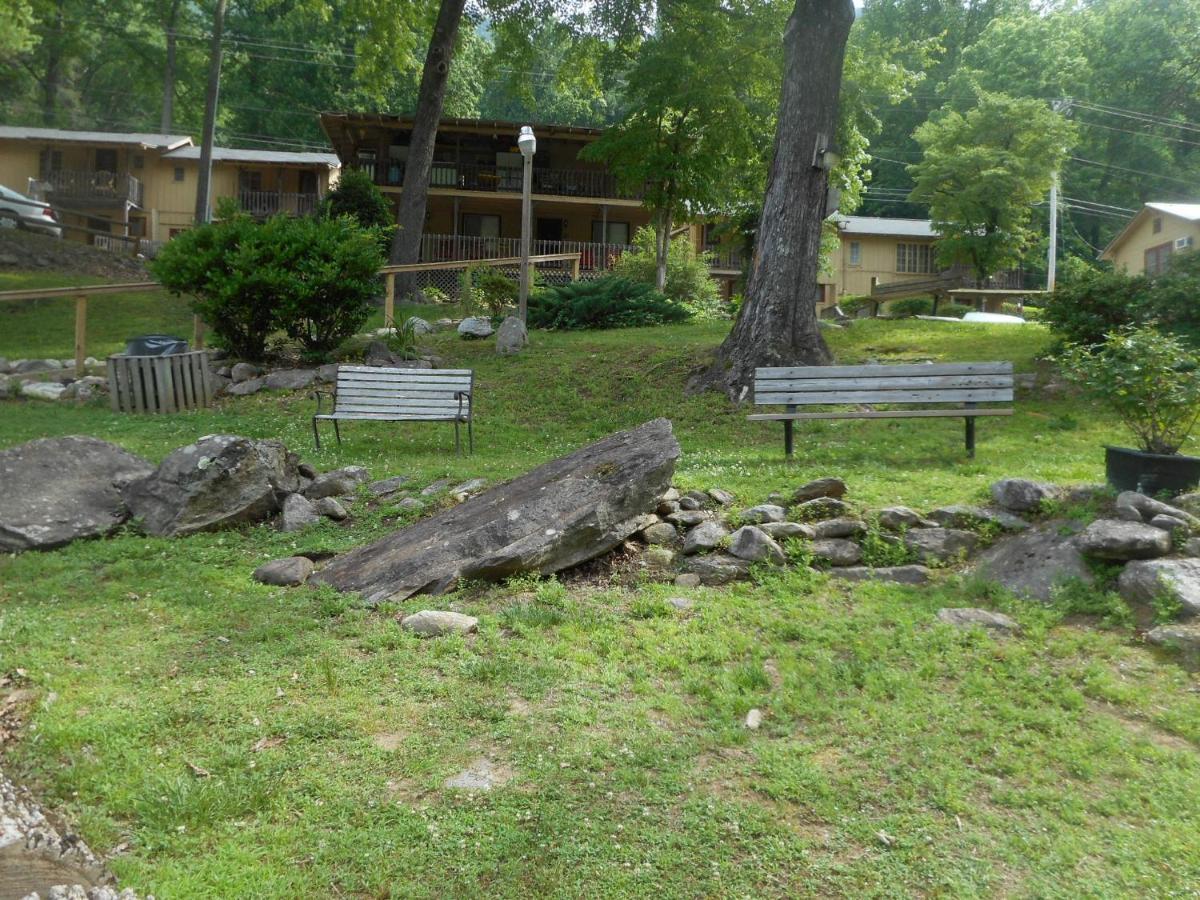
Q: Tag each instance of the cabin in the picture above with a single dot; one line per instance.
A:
(872, 250)
(1147, 243)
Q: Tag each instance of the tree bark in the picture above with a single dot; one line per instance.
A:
(54, 59)
(777, 325)
(406, 243)
(168, 95)
(204, 177)
(662, 247)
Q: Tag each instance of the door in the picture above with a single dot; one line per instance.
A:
(106, 160)
(549, 230)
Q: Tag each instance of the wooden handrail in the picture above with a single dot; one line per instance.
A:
(129, 287)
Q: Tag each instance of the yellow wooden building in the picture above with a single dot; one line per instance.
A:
(874, 251)
(1153, 236)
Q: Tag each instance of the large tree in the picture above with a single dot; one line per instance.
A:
(777, 324)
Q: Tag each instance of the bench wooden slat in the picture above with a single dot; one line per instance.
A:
(421, 390)
(388, 370)
(983, 395)
(964, 368)
(443, 384)
(783, 385)
(389, 417)
(400, 409)
(884, 414)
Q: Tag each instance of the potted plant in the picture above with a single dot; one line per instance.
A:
(1151, 380)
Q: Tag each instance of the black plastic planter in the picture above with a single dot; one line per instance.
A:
(1151, 473)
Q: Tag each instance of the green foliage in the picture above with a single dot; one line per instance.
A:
(955, 310)
(688, 280)
(980, 174)
(401, 338)
(1149, 379)
(356, 195)
(853, 303)
(1077, 598)
(881, 548)
(495, 290)
(608, 302)
(910, 306)
(311, 278)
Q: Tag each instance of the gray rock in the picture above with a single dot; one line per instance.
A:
(435, 623)
(338, 483)
(755, 545)
(435, 487)
(1144, 580)
(690, 503)
(821, 487)
(837, 552)
(753, 720)
(288, 572)
(218, 384)
(683, 604)
(782, 531)
(716, 568)
(765, 512)
(911, 574)
(959, 516)
(34, 366)
(688, 518)
(659, 558)
(290, 379)
(704, 537)
(967, 618)
(511, 336)
(327, 374)
(666, 507)
(307, 470)
(897, 517)
(1134, 507)
(720, 497)
(1169, 524)
(820, 508)
(660, 533)
(246, 388)
(331, 509)
(1176, 637)
(243, 371)
(481, 776)
(297, 513)
(839, 528)
(217, 482)
(43, 390)
(57, 490)
(687, 580)
(409, 503)
(1022, 494)
(1036, 562)
(563, 513)
(418, 325)
(1119, 540)
(474, 486)
(670, 494)
(940, 545)
(387, 486)
(475, 327)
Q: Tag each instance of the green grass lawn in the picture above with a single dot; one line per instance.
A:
(1060, 763)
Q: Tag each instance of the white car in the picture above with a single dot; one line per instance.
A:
(19, 210)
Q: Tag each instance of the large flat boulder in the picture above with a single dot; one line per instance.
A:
(59, 489)
(1146, 580)
(220, 481)
(1033, 563)
(559, 515)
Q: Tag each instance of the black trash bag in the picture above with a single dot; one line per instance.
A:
(155, 345)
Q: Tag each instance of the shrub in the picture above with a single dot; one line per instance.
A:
(608, 302)
(911, 306)
(495, 290)
(358, 197)
(311, 278)
(852, 304)
(1149, 379)
(688, 279)
(954, 310)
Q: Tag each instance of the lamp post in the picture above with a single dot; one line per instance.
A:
(528, 145)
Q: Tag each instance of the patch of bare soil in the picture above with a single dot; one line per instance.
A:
(23, 251)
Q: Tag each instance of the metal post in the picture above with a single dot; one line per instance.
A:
(526, 215)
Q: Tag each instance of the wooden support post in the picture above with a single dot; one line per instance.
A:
(389, 303)
(80, 334)
(788, 442)
(575, 269)
(197, 333)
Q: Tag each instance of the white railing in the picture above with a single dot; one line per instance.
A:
(449, 247)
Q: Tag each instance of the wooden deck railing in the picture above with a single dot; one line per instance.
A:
(270, 203)
(90, 185)
(507, 179)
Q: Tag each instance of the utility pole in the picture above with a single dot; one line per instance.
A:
(1064, 108)
(204, 181)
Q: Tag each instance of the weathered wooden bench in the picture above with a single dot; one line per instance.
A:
(379, 394)
(896, 386)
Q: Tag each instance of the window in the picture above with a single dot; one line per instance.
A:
(250, 181)
(479, 225)
(617, 232)
(1157, 226)
(106, 160)
(50, 161)
(139, 161)
(856, 253)
(914, 258)
(137, 226)
(1157, 259)
(179, 173)
(365, 160)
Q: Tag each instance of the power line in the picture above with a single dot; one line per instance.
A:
(1092, 162)
(1104, 205)
(1137, 116)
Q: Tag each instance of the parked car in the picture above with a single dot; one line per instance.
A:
(25, 212)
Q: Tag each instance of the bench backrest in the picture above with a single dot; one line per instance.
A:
(975, 382)
(402, 392)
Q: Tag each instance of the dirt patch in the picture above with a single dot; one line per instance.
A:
(23, 251)
(389, 740)
(1159, 737)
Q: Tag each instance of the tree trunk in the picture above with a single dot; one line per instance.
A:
(662, 247)
(50, 84)
(406, 243)
(168, 95)
(204, 176)
(778, 322)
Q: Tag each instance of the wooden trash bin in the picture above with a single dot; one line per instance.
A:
(159, 384)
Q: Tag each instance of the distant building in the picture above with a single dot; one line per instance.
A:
(874, 250)
(1152, 236)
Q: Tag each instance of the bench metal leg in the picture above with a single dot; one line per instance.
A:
(470, 438)
(970, 420)
(337, 432)
(788, 448)
(316, 434)
(457, 441)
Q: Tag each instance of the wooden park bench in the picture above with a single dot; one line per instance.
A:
(897, 387)
(379, 394)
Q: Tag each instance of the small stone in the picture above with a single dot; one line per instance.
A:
(782, 531)
(290, 379)
(337, 483)
(43, 390)
(688, 518)
(418, 325)
(246, 388)
(327, 374)
(666, 507)
(386, 486)
(940, 545)
(34, 366)
(474, 328)
(660, 533)
(1176, 637)
(690, 503)
(659, 558)
(683, 604)
(410, 503)
(910, 574)
(511, 336)
(839, 528)
(897, 517)
(243, 371)
(717, 568)
(1134, 507)
(966, 617)
(722, 498)
(1169, 524)
(754, 719)
(820, 508)
(435, 487)
(331, 509)
(297, 513)
(837, 552)
(766, 512)
(959, 516)
(287, 572)
(307, 470)
(670, 494)
(435, 623)
(472, 486)
(755, 545)
(821, 487)
(1022, 494)
(704, 537)
(1119, 540)
(687, 580)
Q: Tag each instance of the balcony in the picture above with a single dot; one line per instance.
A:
(90, 187)
(590, 183)
(453, 248)
(262, 204)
